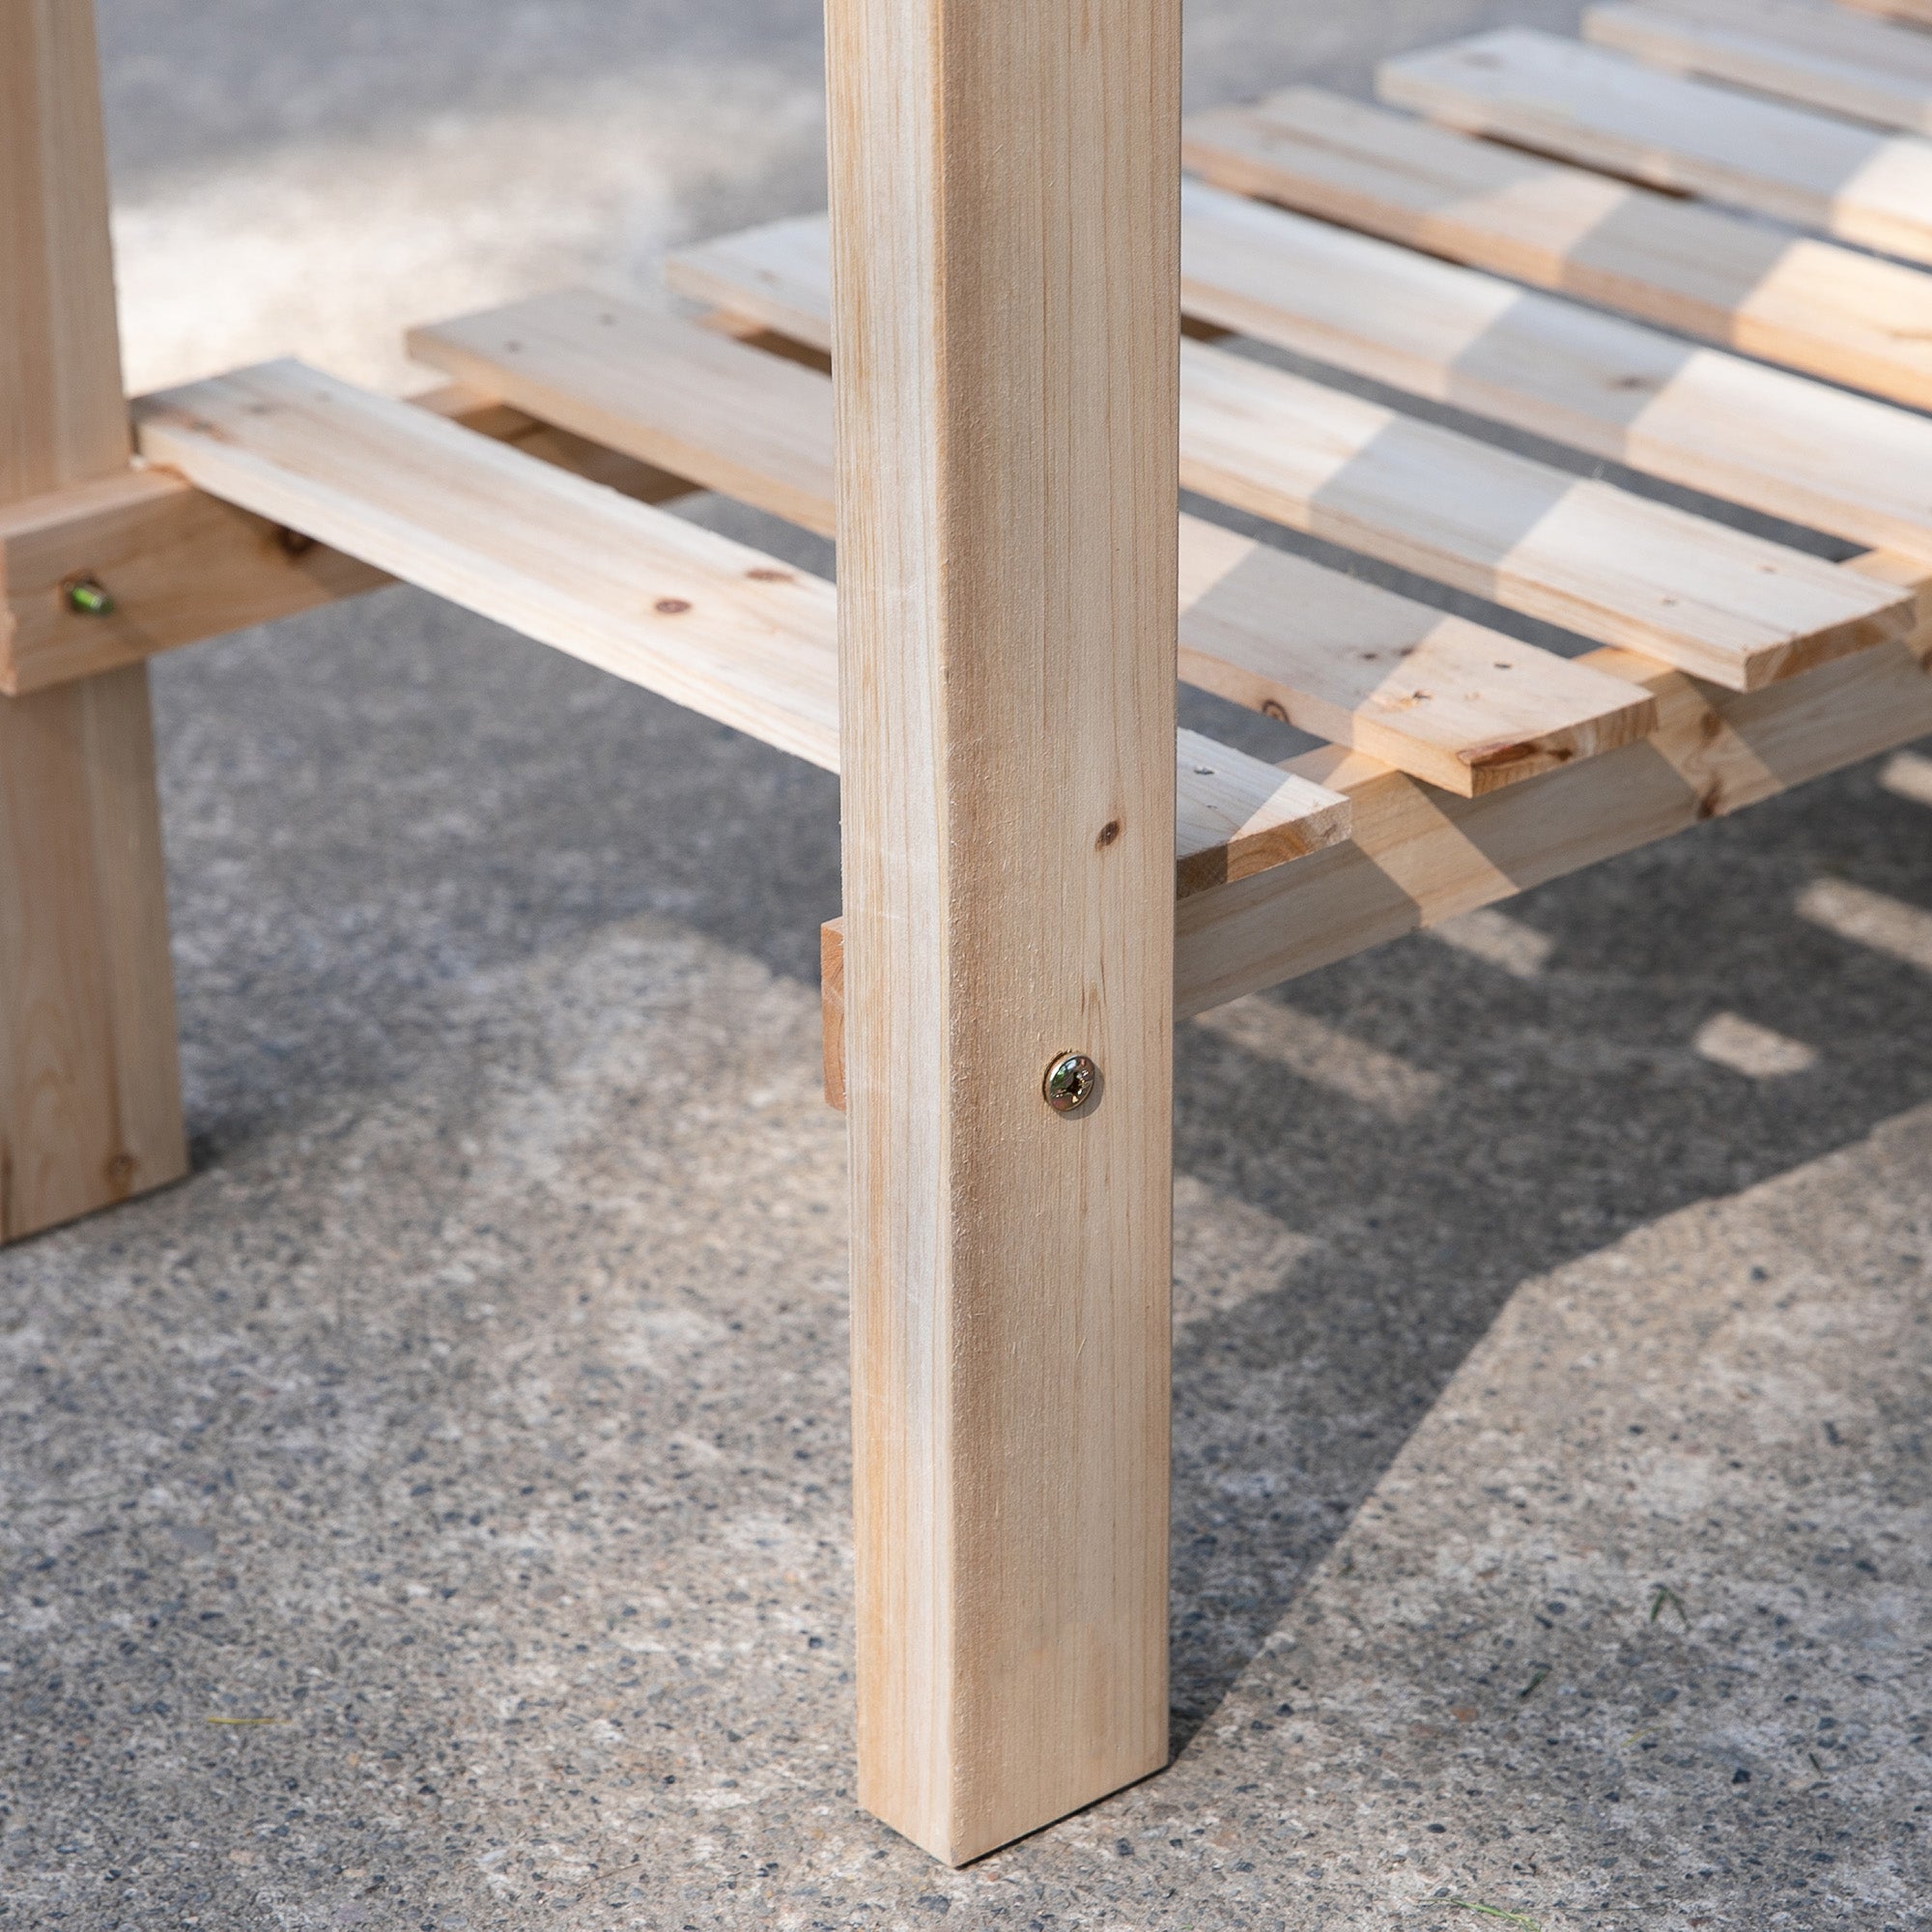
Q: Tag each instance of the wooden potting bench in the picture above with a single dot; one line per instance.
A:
(1040, 874)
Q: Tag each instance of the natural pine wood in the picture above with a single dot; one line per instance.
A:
(1863, 69)
(1416, 858)
(1813, 305)
(1451, 701)
(1772, 441)
(704, 621)
(1007, 558)
(90, 1098)
(1560, 98)
(182, 566)
(1613, 566)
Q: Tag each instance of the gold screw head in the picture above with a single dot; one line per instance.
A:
(1072, 1083)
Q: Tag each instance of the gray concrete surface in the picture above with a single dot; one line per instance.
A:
(433, 1514)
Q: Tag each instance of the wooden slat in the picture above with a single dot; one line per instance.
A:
(1863, 69)
(1007, 276)
(704, 621)
(1562, 98)
(1819, 307)
(658, 602)
(90, 1088)
(1451, 701)
(1601, 561)
(1417, 858)
(180, 566)
(1761, 436)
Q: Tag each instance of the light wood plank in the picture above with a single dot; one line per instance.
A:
(1418, 858)
(706, 622)
(684, 398)
(180, 566)
(1859, 67)
(1793, 448)
(1819, 307)
(1600, 560)
(89, 1090)
(1561, 97)
(1454, 702)
(1005, 181)
(703, 622)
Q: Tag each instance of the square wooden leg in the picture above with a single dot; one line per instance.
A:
(1007, 298)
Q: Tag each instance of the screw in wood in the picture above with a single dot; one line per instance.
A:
(88, 595)
(1072, 1083)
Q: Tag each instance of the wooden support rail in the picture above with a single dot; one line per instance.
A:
(89, 1090)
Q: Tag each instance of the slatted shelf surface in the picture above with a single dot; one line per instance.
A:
(1462, 765)
(658, 602)
(1449, 700)
(1814, 305)
(1587, 105)
(1613, 566)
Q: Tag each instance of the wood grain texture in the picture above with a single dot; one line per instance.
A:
(1816, 306)
(1007, 258)
(1601, 561)
(89, 1090)
(1454, 702)
(706, 622)
(1562, 98)
(59, 346)
(1774, 442)
(180, 565)
(1417, 858)
(1861, 68)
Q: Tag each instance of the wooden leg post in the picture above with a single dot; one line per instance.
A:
(1006, 297)
(90, 1099)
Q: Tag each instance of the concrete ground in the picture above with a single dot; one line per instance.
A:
(433, 1513)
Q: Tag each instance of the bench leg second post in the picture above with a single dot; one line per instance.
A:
(1006, 238)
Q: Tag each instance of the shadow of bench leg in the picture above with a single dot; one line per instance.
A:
(90, 1101)
(1007, 303)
